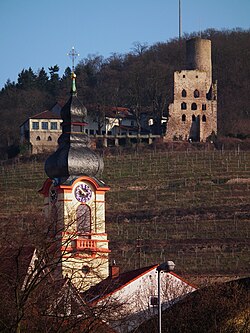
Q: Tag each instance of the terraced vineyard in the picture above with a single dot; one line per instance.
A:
(191, 207)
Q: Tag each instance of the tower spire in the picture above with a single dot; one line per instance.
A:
(73, 55)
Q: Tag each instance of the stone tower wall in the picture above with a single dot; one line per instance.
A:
(193, 113)
(198, 56)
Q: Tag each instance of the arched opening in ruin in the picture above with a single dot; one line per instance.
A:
(194, 106)
(183, 106)
(204, 119)
(204, 107)
(196, 93)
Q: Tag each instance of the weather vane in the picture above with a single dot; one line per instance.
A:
(73, 55)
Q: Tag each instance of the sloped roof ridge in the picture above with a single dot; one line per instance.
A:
(46, 114)
(110, 285)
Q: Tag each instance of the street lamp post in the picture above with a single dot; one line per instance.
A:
(164, 267)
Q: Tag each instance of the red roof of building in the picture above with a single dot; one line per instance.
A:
(46, 115)
(110, 285)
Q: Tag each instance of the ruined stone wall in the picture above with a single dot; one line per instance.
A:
(193, 113)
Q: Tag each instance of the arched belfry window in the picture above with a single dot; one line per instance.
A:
(194, 106)
(83, 219)
(193, 118)
(184, 93)
(204, 119)
(38, 138)
(196, 93)
(183, 106)
(183, 117)
(49, 138)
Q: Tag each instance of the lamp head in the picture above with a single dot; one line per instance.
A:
(167, 266)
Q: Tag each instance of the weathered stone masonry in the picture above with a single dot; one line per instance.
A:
(193, 113)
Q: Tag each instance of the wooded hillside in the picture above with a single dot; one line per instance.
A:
(140, 80)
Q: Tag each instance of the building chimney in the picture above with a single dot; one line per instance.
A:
(114, 270)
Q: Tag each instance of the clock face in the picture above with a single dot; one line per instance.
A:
(83, 193)
(53, 195)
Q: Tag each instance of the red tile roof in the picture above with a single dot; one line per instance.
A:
(46, 115)
(110, 285)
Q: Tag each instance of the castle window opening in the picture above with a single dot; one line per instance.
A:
(204, 107)
(193, 118)
(184, 93)
(49, 138)
(183, 106)
(194, 106)
(183, 118)
(196, 93)
(184, 76)
(204, 119)
(38, 138)
(196, 76)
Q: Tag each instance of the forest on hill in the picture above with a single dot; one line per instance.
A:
(141, 80)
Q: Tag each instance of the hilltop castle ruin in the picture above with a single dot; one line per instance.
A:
(193, 113)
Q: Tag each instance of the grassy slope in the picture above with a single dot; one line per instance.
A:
(191, 207)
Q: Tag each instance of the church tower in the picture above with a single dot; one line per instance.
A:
(74, 200)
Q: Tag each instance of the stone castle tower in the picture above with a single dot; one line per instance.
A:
(193, 113)
(74, 201)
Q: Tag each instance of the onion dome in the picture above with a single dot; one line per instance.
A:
(74, 156)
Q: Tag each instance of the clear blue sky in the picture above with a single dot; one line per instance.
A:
(40, 33)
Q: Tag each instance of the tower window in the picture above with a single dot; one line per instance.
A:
(183, 106)
(193, 118)
(194, 106)
(38, 138)
(204, 119)
(44, 125)
(204, 107)
(49, 138)
(183, 117)
(184, 93)
(183, 76)
(196, 93)
(83, 219)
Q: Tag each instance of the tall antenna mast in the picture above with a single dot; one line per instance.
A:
(180, 25)
(73, 55)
